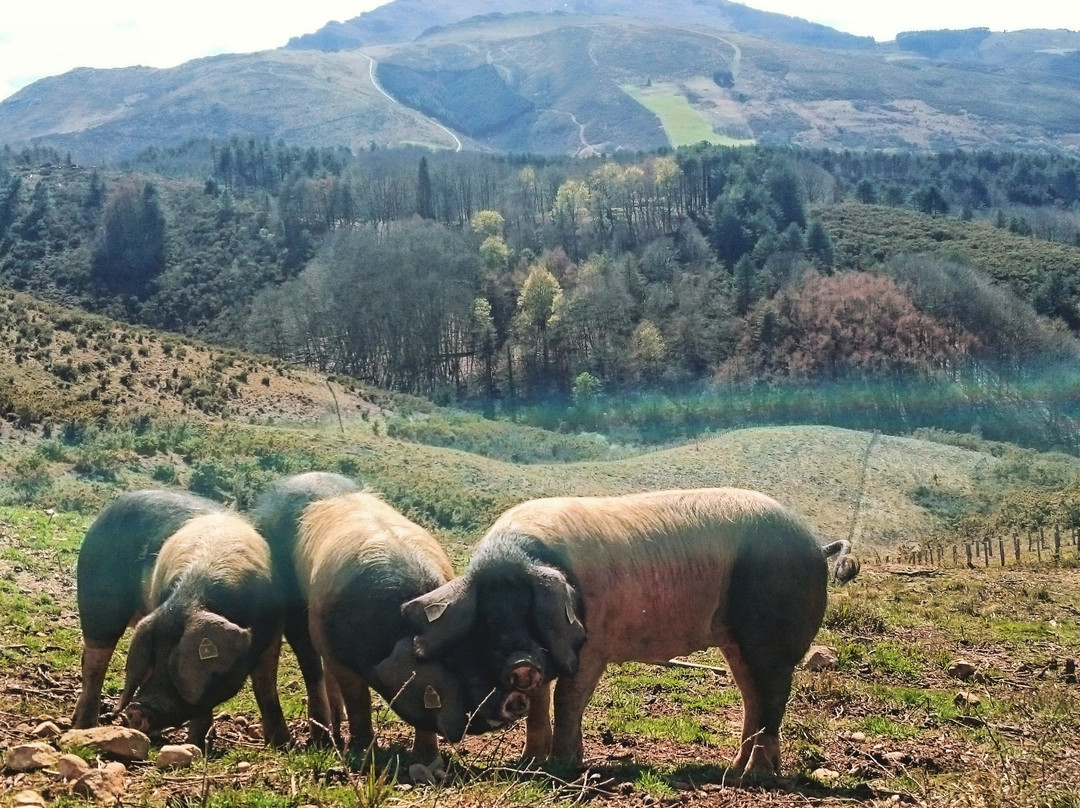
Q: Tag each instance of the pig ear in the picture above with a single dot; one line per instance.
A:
(441, 617)
(140, 658)
(420, 691)
(555, 618)
(210, 645)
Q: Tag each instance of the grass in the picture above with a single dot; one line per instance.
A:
(653, 731)
(683, 124)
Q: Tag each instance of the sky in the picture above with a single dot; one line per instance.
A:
(40, 39)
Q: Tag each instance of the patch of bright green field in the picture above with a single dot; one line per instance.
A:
(683, 124)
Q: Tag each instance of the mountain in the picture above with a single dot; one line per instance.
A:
(404, 20)
(588, 76)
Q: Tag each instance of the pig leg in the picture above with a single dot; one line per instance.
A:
(95, 664)
(336, 709)
(357, 697)
(319, 716)
(264, 684)
(571, 696)
(200, 731)
(756, 745)
(425, 746)
(538, 724)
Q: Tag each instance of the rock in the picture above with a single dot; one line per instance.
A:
(243, 766)
(432, 773)
(117, 742)
(961, 669)
(826, 775)
(72, 767)
(104, 785)
(895, 757)
(174, 756)
(45, 730)
(28, 799)
(821, 658)
(858, 737)
(965, 700)
(28, 757)
(24, 729)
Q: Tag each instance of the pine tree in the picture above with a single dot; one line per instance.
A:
(425, 197)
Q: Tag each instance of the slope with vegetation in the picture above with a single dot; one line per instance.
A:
(516, 79)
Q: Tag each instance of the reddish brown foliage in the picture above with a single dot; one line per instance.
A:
(849, 322)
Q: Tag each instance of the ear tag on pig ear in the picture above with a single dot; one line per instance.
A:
(431, 698)
(207, 649)
(433, 611)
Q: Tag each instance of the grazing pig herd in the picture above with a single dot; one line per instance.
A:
(556, 590)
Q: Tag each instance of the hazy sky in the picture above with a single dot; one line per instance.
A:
(42, 39)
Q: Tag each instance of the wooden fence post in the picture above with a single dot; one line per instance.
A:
(955, 560)
(986, 552)
(1001, 550)
(1016, 547)
(1057, 542)
(967, 550)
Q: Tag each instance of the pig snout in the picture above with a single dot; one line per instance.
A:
(523, 674)
(515, 706)
(136, 717)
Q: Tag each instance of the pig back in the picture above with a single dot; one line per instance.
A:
(357, 561)
(118, 551)
(277, 517)
(217, 561)
(653, 570)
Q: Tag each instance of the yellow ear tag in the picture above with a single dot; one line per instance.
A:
(433, 611)
(207, 649)
(431, 698)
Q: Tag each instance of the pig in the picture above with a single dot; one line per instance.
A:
(195, 581)
(558, 588)
(277, 517)
(357, 561)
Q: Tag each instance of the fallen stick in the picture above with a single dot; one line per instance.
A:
(678, 663)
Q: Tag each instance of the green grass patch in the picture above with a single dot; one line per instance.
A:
(894, 659)
(683, 124)
(880, 726)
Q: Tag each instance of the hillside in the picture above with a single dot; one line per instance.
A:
(62, 367)
(594, 76)
(318, 99)
(404, 20)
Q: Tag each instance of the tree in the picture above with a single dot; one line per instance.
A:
(425, 198)
(928, 199)
(586, 392)
(484, 344)
(729, 237)
(745, 275)
(537, 303)
(819, 245)
(787, 195)
(488, 223)
(866, 192)
(131, 246)
(647, 351)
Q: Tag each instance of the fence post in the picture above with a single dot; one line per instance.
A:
(955, 560)
(977, 549)
(1057, 542)
(967, 551)
(1001, 550)
(986, 553)
(1016, 547)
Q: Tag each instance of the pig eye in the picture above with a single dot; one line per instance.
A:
(431, 698)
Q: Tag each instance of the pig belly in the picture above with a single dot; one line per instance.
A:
(652, 613)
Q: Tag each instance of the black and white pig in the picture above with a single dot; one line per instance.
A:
(356, 561)
(558, 588)
(195, 581)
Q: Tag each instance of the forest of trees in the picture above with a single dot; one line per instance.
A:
(504, 280)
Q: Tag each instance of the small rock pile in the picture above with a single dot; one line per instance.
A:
(52, 750)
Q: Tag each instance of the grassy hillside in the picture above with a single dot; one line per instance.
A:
(318, 99)
(59, 365)
(868, 234)
(780, 85)
(871, 730)
(188, 414)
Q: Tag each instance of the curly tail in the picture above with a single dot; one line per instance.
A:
(846, 566)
